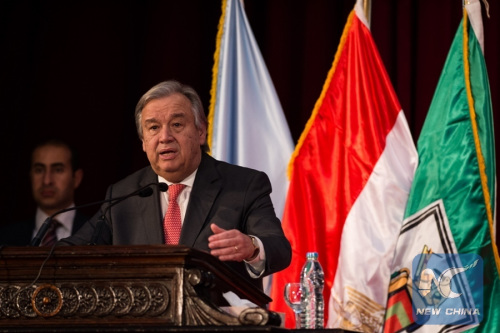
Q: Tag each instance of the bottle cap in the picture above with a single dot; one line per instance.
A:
(312, 255)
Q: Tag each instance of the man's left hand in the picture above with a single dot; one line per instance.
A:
(230, 245)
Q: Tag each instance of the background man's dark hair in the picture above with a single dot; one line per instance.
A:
(75, 156)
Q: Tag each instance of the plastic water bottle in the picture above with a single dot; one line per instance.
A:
(312, 283)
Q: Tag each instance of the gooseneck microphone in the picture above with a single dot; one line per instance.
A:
(144, 191)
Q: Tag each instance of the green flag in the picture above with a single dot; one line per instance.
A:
(452, 201)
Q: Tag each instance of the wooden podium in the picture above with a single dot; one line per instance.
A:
(99, 287)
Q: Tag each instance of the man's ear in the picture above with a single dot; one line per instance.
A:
(78, 176)
(203, 135)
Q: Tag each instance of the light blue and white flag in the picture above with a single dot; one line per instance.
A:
(247, 124)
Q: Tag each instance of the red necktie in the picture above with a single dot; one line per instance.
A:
(172, 222)
(51, 235)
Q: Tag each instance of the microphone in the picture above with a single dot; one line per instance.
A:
(144, 191)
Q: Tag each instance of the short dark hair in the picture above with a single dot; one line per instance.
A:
(75, 155)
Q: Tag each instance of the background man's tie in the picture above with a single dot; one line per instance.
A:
(51, 235)
(172, 222)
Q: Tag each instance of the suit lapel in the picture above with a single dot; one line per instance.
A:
(206, 186)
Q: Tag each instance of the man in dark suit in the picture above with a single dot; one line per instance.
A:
(224, 209)
(55, 174)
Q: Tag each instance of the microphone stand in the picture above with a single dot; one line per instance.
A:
(46, 224)
(101, 222)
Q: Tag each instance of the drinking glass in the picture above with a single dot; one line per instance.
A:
(292, 298)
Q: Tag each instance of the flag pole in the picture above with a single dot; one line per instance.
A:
(367, 8)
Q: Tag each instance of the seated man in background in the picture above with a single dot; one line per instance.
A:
(210, 205)
(55, 174)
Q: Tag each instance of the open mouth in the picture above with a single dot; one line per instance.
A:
(167, 153)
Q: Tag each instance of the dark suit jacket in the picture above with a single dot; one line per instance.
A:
(230, 196)
(21, 233)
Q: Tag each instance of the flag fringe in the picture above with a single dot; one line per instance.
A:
(319, 102)
(480, 157)
(215, 74)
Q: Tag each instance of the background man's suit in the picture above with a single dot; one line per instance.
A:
(21, 233)
(230, 196)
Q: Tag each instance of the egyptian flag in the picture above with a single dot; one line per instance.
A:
(350, 176)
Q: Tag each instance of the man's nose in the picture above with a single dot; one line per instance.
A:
(47, 177)
(166, 134)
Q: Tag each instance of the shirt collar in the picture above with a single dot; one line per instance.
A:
(66, 218)
(188, 181)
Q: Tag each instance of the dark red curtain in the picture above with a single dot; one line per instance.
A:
(75, 69)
